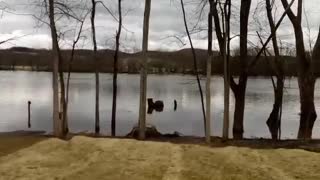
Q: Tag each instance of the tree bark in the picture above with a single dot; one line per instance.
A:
(239, 89)
(306, 79)
(97, 81)
(208, 80)
(239, 95)
(274, 120)
(57, 123)
(63, 105)
(143, 71)
(115, 73)
(226, 58)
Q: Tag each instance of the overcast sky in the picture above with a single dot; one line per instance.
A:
(165, 22)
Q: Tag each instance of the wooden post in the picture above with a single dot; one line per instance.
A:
(29, 116)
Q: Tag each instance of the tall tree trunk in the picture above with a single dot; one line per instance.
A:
(239, 89)
(306, 79)
(226, 58)
(63, 105)
(57, 123)
(239, 94)
(306, 82)
(143, 71)
(208, 80)
(308, 114)
(115, 73)
(223, 36)
(274, 120)
(58, 71)
(94, 40)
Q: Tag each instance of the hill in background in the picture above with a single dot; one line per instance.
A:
(158, 62)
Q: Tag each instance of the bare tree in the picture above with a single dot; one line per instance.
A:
(143, 71)
(239, 90)
(75, 41)
(94, 41)
(222, 26)
(306, 79)
(208, 80)
(57, 122)
(57, 10)
(274, 120)
(115, 72)
(226, 58)
(195, 65)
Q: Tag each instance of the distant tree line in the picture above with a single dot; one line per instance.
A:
(159, 62)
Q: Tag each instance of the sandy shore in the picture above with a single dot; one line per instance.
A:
(38, 157)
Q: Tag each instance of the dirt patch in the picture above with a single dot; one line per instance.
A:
(11, 142)
(101, 158)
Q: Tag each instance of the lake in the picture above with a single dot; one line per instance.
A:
(17, 88)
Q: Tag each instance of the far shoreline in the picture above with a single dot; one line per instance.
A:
(138, 73)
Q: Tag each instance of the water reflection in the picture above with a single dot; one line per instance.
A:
(20, 87)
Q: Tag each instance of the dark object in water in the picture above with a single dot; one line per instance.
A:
(158, 106)
(151, 132)
(175, 105)
(29, 115)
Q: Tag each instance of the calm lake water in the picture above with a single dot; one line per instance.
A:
(17, 88)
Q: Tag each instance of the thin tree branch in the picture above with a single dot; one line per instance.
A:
(195, 62)
(253, 63)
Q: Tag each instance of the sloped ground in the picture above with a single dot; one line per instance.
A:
(84, 158)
